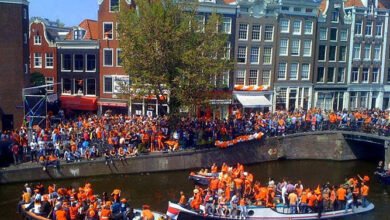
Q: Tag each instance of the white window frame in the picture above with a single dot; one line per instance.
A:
(297, 71)
(258, 55)
(37, 40)
(330, 35)
(326, 50)
(367, 74)
(338, 16)
(112, 35)
(242, 31)
(62, 63)
(375, 50)
(369, 52)
(345, 55)
(62, 87)
(335, 54)
(256, 31)
(270, 59)
(257, 77)
(310, 48)
(308, 71)
(368, 24)
(272, 33)
(46, 61)
(117, 57)
(311, 27)
(86, 87)
(376, 29)
(269, 77)
(327, 74)
(358, 23)
(279, 71)
(49, 80)
(294, 29)
(377, 76)
(74, 62)
(280, 51)
(323, 74)
(112, 84)
(292, 45)
(346, 35)
(338, 73)
(238, 54)
(288, 26)
(39, 58)
(352, 75)
(243, 72)
(86, 62)
(112, 57)
(360, 52)
(227, 48)
(326, 33)
(109, 7)
(224, 23)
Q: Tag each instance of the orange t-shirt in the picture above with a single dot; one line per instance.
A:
(341, 192)
(61, 215)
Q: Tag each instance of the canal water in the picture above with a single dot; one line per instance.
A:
(157, 189)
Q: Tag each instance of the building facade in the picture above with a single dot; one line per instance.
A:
(78, 67)
(14, 58)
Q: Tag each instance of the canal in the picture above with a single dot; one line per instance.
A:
(157, 189)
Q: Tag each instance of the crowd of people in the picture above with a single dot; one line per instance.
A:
(231, 190)
(116, 136)
(78, 204)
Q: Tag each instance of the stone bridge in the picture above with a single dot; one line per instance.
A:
(321, 145)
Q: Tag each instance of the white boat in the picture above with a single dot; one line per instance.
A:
(179, 213)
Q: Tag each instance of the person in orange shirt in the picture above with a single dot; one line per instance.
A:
(146, 213)
(312, 201)
(195, 203)
(341, 193)
(238, 182)
(364, 191)
(303, 203)
(183, 200)
(293, 199)
(60, 214)
(106, 213)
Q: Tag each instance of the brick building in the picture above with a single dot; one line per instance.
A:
(14, 56)
(43, 51)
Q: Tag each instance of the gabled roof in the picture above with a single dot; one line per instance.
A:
(322, 6)
(91, 28)
(384, 4)
(354, 3)
(52, 30)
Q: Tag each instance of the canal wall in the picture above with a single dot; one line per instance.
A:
(317, 146)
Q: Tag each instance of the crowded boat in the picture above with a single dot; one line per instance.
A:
(67, 203)
(232, 193)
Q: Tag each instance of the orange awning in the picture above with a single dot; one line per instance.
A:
(79, 103)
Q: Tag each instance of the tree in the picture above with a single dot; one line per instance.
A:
(37, 79)
(60, 23)
(165, 49)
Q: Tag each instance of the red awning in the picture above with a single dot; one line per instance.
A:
(113, 104)
(79, 103)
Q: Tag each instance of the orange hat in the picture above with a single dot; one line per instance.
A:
(116, 191)
(108, 203)
(123, 200)
(36, 190)
(45, 197)
(366, 178)
(146, 206)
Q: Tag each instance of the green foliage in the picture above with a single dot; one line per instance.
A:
(59, 23)
(165, 48)
(37, 79)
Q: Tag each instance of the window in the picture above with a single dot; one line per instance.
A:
(256, 32)
(254, 59)
(107, 31)
(49, 81)
(37, 60)
(294, 71)
(358, 28)
(285, 8)
(330, 76)
(295, 44)
(243, 32)
(365, 75)
(118, 57)
(281, 98)
(91, 62)
(308, 27)
(25, 39)
(241, 55)
(240, 77)
(320, 74)
(226, 25)
(284, 26)
(355, 75)
(307, 48)
(356, 51)
(369, 28)
(107, 84)
(78, 62)
(282, 71)
(309, 10)
(266, 77)
(332, 53)
(66, 86)
(343, 35)
(25, 68)
(353, 99)
(296, 27)
(267, 57)
(297, 9)
(66, 62)
(91, 87)
(333, 34)
(227, 50)
(252, 77)
(24, 13)
(363, 99)
(342, 53)
(335, 16)
(225, 79)
(78, 86)
(37, 40)
(378, 29)
(283, 47)
(377, 52)
(114, 5)
(305, 71)
(201, 21)
(375, 74)
(269, 32)
(78, 34)
(107, 57)
(323, 33)
(49, 60)
(367, 52)
(321, 52)
(340, 74)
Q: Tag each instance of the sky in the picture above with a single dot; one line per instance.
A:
(70, 12)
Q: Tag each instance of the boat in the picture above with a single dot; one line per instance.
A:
(175, 211)
(28, 215)
(383, 177)
(202, 179)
